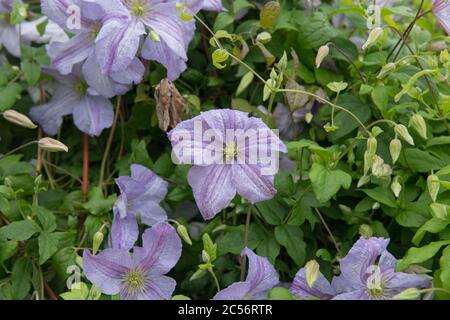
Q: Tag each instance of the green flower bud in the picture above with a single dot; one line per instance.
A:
(376, 131)
(395, 149)
(97, 241)
(321, 55)
(439, 210)
(312, 272)
(434, 185)
(408, 294)
(363, 180)
(184, 234)
(368, 161)
(403, 132)
(396, 187)
(444, 56)
(388, 68)
(374, 35)
(205, 257)
(372, 145)
(309, 117)
(376, 206)
(264, 37)
(198, 274)
(365, 231)
(19, 119)
(419, 124)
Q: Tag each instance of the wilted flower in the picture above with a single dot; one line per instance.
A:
(91, 112)
(141, 194)
(321, 55)
(140, 276)
(81, 47)
(19, 119)
(242, 158)
(441, 10)
(261, 278)
(52, 145)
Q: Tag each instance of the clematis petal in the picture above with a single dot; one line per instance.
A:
(107, 269)
(154, 185)
(236, 291)
(158, 288)
(124, 232)
(50, 115)
(60, 12)
(387, 261)
(132, 74)
(261, 275)
(9, 38)
(402, 281)
(161, 249)
(93, 114)
(213, 5)
(252, 184)
(213, 188)
(321, 289)
(352, 295)
(117, 44)
(65, 55)
(441, 10)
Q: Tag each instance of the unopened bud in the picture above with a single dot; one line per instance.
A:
(264, 37)
(312, 272)
(388, 68)
(198, 274)
(368, 161)
(395, 148)
(396, 187)
(372, 145)
(408, 294)
(439, 210)
(184, 234)
(19, 119)
(376, 206)
(309, 117)
(97, 241)
(444, 57)
(403, 132)
(434, 184)
(154, 36)
(365, 231)
(419, 124)
(321, 55)
(374, 35)
(52, 145)
(205, 257)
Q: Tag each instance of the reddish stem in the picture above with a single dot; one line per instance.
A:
(51, 294)
(85, 184)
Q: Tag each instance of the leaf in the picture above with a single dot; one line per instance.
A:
(295, 100)
(434, 225)
(422, 254)
(47, 219)
(246, 81)
(218, 57)
(97, 203)
(326, 183)
(79, 291)
(169, 105)
(291, 238)
(223, 20)
(380, 96)
(445, 268)
(7, 250)
(337, 86)
(269, 14)
(9, 95)
(21, 278)
(421, 161)
(31, 71)
(269, 248)
(382, 195)
(272, 211)
(19, 230)
(48, 245)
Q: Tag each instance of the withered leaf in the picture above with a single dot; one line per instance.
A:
(295, 100)
(169, 105)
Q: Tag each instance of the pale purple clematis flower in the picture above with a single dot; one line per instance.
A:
(141, 194)
(81, 47)
(367, 273)
(261, 278)
(140, 276)
(231, 153)
(9, 34)
(127, 23)
(441, 10)
(91, 112)
(213, 5)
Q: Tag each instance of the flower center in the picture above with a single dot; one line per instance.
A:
(230, 150)
(95, 29)
(138, 8)
(134, 281)
(81, 88)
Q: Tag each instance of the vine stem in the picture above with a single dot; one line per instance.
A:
(40, 134)
(109, 142)
(85, 183)
(246, 232)
(18, 149)
(361, 75)
(328, 230)
(216, 281)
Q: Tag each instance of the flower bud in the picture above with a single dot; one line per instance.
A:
(154, 36)
(309, 117)
(365, 231)
(264, 37)
(439, 210)
(434, 184)
(312, 272)
(386, 70)
(97, 241)
(205, 257)
(403, 132)
(408, 294)
(419, 124)
(368, 161)
(19, 119)
(363, 180)
(396, 187)
(376, 131)
(321, 55)
(395, 149)
(374, 35)
(376, 206)
(444, 56)
(198, 274)
(184, 234)
(372, 145)
(52, 145)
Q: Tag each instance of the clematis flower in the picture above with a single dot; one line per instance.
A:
(91, 112)
(367, 273)
(213, 5)
(140, 195)
(261, 278)
(441, 10)
(231, 153)
(125, 26)
(81, 47)
(140, 276)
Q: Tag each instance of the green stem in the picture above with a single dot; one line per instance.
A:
(246, 232)
(18, 149)
(216, 281)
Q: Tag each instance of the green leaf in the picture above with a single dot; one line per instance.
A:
(19, 12)
(48, 245)
(246, 81)
(31, 71)
(381, 195)
(21, 277)
(19, 230)
(269, 14)
(98, 204)
(223, 20)
(421, 161)
(380, 96)
(445, 268)
(9, 95)
(269, 248)
(7, 250)
(434, 225)
(79, 291)
(422, 254)
(272, 211)
(47, 219)
(326, 183)
(291, 238)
